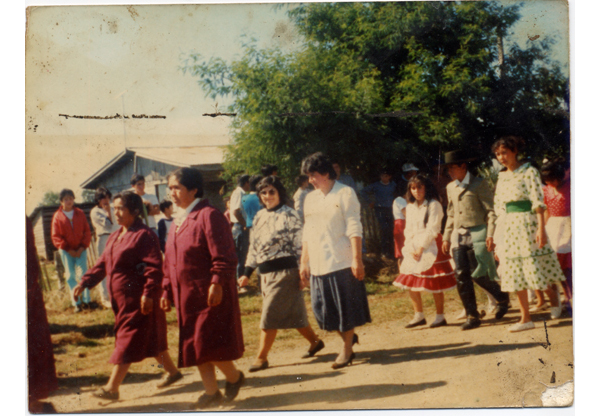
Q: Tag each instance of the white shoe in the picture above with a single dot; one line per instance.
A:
(461, 315)
(555, 312)
(521, 327)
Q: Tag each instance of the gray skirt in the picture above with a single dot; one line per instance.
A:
(283, 302)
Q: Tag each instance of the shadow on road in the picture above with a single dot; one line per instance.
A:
(432, 352)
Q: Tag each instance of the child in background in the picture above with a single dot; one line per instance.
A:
(166, 207)
(425, 266)
(399, 211)
(557, 197)
(71, 235)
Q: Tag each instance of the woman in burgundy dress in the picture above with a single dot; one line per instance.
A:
(133, 263)
(200, 263)
(40, 358)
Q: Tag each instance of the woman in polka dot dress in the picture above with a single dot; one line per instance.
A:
(526, 259)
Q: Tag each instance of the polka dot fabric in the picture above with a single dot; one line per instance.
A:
(523, 264)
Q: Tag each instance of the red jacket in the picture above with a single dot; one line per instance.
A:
(67, 237)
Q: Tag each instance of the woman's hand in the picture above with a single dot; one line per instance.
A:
(358, 268)
(489, 244)
(304, 271)
(304, 282)
(77, 291)
(73, 253)
(215, 294)
(446, 247)
(147, 304)
(540, 237)
(165, 304)
(417, 254)
(243, 281)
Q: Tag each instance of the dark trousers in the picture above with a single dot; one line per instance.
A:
(385, 218)
(464, 258)
(241, 249)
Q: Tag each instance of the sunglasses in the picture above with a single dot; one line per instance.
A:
(271, 192)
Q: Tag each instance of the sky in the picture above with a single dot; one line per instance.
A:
(103, 60)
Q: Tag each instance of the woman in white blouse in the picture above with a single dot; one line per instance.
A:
(275, 248)
(332, 255)
(425, 267)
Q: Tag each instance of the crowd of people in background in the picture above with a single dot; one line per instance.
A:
(445, 232)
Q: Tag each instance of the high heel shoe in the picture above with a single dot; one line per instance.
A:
(337, 366)
(355, 339)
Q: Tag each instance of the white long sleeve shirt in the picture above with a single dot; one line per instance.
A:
(330, 221)
(415, 229)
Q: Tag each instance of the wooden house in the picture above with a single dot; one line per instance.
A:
(155, 164)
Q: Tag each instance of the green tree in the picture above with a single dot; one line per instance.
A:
(88, 195)
(50, 198)
(382, 83)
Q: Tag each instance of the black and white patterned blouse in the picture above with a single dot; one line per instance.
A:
(274, 234)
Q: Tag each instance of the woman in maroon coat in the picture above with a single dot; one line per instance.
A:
(40, 358)
(200, 263)
(133, 263)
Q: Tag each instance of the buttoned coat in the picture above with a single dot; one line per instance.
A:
(470, 206)
(199, 253)
(133, 267)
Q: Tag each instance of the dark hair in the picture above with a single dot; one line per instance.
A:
(318, 162)
(268, 170)
(301, 179)
(242, 179)
(275, 183)
(164, 205)
(511, 142)
(190, 178)
(136, 178)
(421, 180)
(132, 201)
(553, 171)
(254, 180)
(65, 192)
(100, 194)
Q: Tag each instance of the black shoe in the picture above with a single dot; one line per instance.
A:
(77, 309)
(311, 352)
(500, 310)
(207, 400)
(471, 323)
(421, 322)
(337, 366)
(169, 379)
(232, 389)
(257, 367)
(107, 395)
(438, 324)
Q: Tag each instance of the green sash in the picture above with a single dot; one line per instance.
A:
(518, 206)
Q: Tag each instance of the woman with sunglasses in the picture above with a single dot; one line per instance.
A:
(275, 248)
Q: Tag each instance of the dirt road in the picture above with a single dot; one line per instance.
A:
(395, 368)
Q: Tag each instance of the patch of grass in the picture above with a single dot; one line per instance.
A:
(84, 342)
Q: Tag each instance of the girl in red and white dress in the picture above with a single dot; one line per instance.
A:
(557, 197)
(425, 267)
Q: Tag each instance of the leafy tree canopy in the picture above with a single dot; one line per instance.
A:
(50, 198)
(385, 83)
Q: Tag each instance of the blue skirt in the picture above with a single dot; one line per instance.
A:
(339, 301)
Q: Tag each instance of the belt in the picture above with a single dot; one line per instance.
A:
(518, 206)
(281, 263)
